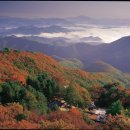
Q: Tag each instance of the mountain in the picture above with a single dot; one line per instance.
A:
(71, 21)
(100, 66)
(97, 21)
(31, 30)
(58, 41)
(20, 43)
(13, 66)
(116, 53)
(72, 63)
(31, 83)
(92, 40)
(42, 85)
(13, 21)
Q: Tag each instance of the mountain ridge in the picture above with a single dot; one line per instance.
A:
(115, 53)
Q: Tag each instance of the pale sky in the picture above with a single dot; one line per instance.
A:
(62, 9)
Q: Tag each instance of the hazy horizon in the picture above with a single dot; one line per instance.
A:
(64, 9)
(107, 21)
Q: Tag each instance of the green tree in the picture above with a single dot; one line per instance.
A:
(12, 92)
(42, 103)
(27, 96)
(115, 108)
(73, 97)
(44, 84)
(111, 94)
(36, 101)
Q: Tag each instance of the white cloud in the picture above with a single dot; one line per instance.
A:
(21, 35)
(106, 34)
(50, 35)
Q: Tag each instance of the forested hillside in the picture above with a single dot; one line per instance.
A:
(30, 81)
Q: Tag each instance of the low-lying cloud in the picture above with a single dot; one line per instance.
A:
(107, 34)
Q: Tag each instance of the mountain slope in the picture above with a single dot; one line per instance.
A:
(116, 53)
(100, 66)
(17, 65)
(72, 63)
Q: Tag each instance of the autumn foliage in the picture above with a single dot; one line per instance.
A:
(29, 81)
(57, 120)
(73, 117)
(117, 122)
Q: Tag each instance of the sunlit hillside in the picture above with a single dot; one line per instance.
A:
(30, 81)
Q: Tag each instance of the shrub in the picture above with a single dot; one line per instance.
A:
(57, 124)
(126, 112)
(7, 50)
(86, 119)
(20, 117)
(69, 117)
(55, 107)
(26, 63)
(118, 122)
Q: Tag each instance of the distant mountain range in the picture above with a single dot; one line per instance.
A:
(116, 53)
(58, 41)
(12, 21)
(94, 21)
(92, 40)
(26, 30)
(76, 29)
(100, 66)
